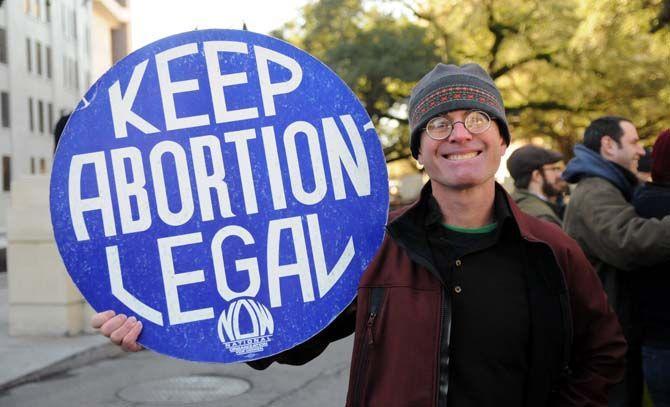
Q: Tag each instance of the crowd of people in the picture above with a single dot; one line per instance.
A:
(614, 215)
(481, 298)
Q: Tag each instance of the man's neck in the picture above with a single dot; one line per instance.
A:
(466, 208)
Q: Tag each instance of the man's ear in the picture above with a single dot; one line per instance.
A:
(536, 175)
(607, 145)
(418, 154)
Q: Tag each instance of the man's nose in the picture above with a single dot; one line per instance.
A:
(460, 133)
(640, 150)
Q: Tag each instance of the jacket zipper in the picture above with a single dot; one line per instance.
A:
(566, 314)
(443, 313)
(376, 296)
(439, 355)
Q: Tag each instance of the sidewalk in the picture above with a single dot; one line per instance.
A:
(29, 358)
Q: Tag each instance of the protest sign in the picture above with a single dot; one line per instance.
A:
(223, 186)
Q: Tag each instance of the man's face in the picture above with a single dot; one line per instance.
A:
(628, 151)
(463, 160)
(552, 183)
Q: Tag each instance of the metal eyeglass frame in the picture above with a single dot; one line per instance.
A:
(453, 125)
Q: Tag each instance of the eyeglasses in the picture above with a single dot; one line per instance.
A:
(440, 127)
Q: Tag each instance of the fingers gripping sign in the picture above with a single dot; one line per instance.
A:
(222, 192)
(121, 330)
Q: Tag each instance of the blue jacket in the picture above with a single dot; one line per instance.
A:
(588, 163)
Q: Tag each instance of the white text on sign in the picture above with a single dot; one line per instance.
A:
(303, 163)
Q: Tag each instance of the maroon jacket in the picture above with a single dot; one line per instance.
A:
(576, 346)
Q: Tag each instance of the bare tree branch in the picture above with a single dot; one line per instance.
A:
(430, 19)
(506, 68)
(548, 105)
(663, 18)
(499, 32)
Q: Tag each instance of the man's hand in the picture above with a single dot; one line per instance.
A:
(121, 330)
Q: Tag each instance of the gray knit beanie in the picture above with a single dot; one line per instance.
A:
(451, 87)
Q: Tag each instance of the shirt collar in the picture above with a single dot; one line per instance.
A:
(501, 209)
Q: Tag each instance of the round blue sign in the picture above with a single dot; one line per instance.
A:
(226, 188)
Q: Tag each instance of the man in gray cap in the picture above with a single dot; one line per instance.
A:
(469, 301)
(537, 179)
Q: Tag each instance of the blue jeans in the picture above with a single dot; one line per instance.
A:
(656, 366)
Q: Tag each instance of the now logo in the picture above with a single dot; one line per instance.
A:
(245, 319)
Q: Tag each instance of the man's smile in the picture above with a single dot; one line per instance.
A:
(461, 156)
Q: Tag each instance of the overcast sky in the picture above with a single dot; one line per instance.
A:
(155, 19)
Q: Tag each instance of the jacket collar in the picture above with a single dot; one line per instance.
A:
(588, 163)
(407, 226)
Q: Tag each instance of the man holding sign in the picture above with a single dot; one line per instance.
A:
(468, 302)
(211, 184)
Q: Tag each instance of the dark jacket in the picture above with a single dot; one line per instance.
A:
(535, 206)
(576, 347)
(615, 239)
(652, 200)
(587, 163)
(618, 243)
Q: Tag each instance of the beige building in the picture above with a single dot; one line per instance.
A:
(44, 68)
(110, 33)
(53, 50)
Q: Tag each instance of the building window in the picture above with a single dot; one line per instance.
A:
(74, 24)
(50, 109)
(31, 120)
(43, 166)
(3, 45)
(6, 172)
(29, 56)
(76, 74)
(26, 6)
(4, 109)
(48, 11)
(32, 165)
(38, 57)
(48, 56)
(40, 115)
(38, 9)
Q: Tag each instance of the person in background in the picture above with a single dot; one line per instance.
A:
(602, 219)
(59, 127)
(537, 178)
(652, 200)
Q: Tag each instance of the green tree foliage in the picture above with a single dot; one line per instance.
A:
(378, 55)
(559, 63)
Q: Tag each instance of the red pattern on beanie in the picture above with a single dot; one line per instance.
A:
(660, 155)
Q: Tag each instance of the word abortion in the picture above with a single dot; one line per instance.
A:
(129, 160)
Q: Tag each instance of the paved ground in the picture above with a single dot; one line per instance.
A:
(88, 371)
(24, 358)
(139, 380)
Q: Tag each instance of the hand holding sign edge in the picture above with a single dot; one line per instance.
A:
(121, 330)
